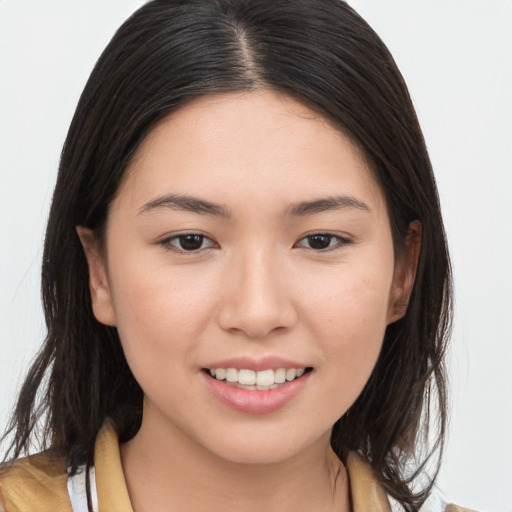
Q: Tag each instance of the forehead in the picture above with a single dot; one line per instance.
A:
(251, 146)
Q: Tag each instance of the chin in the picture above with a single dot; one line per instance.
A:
(255, 455)
(263, 447)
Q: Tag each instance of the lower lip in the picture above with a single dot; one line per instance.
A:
(252, 401)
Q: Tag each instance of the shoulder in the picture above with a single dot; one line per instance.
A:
(456, 508)
(367, 493)
(437, 504)
(34, 484)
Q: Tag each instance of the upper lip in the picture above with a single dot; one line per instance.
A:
(256, 364)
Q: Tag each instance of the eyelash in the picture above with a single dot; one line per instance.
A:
(168, 242)
(341, 241)
(169, 245)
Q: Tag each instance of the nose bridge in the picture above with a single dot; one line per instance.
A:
(259, 286)
(256, 299)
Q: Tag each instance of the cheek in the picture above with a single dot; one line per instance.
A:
(348, 321)
(160, 312)
(349, 306)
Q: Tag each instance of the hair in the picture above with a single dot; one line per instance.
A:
(324, 55)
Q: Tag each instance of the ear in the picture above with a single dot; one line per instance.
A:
(101, 297)
(405, 274)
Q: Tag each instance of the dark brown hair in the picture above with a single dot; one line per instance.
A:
(170, 51)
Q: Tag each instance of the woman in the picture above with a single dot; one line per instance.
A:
(245, 278)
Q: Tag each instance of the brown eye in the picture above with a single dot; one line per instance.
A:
(190, 242)
(187, 242)
(322, 242)
(319, 241)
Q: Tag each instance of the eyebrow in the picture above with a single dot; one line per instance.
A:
(203, 207)
(325, 204)
(187, 204)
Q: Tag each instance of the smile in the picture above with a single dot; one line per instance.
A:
(261, 380)
(268, 396)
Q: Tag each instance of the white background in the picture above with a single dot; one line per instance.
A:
(456, 56)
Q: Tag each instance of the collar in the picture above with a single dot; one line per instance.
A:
(367, 494)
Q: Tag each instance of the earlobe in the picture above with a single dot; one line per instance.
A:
(99, 287)
(405, 273)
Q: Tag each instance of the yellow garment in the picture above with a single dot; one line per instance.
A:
(34, 484)
(37, 484)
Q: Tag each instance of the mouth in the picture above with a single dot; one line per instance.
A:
(260, 380)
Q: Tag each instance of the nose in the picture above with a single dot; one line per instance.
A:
(257, 298)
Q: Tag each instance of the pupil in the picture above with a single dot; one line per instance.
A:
(319, 241)
(191, 242)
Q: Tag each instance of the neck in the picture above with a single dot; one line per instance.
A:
(167, 471)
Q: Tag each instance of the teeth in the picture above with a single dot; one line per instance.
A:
(259, 388)
(279, 375)
(250, 388)
(265, 378)
(232, 375)
(260, 380)
(291, 373)
(247, 377)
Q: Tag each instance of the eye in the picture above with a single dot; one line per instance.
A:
(322, 241)
(187, 242)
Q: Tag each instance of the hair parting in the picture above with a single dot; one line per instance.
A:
(169, 52)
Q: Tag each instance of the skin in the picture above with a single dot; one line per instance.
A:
(255, 288)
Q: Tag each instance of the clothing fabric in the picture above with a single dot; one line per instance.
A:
(41, 484)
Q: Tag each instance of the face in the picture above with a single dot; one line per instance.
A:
(248, 240)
